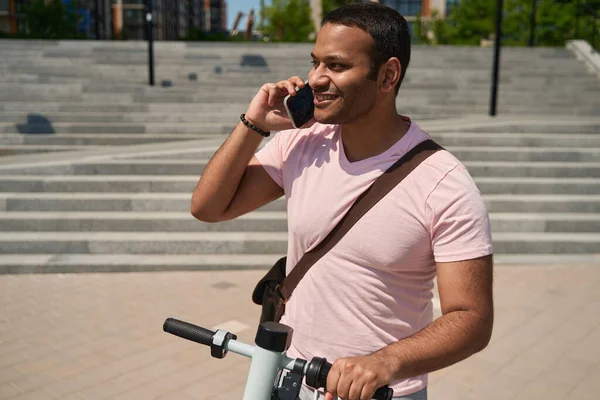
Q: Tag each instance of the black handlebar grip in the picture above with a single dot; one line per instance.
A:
(383, 393)
(188, 331)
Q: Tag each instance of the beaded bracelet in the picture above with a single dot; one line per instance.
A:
(253, 127)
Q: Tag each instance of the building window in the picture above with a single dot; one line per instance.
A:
(407, 8)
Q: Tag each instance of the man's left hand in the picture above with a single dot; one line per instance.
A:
(357, 378)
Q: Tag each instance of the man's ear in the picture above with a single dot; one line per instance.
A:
(391, 71)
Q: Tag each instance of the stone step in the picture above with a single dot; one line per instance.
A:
(100, 202)
(67, 263)
(185, 166)
(143, 242)
(98, 183)
(180, 202)
(106, 98)
(226, 126)
(218, 50)
(543, 128)
(110, 64)
(517, 139)
(546, 260)
(525, 154)
(74, 107)
(186, 183)
(211, 76)
(467, 93)
(77, 263)
(545, 222)
(256, 221)
(223, 115)
(10, 150)
(199, 114)
(549, 186)
(530, 203)
(533, 169)
(86, 139)
(248, 243)
(546, 243)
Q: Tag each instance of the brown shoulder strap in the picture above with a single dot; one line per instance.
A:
(382, 186)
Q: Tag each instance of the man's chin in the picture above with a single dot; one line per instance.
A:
(326, 119)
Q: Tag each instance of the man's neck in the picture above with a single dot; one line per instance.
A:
(372, 135)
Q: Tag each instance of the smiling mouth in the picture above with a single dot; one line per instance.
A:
(325, 97)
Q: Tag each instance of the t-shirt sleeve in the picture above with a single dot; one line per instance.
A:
(271, 157)
(459, 222)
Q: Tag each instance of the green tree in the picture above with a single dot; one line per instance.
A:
(473, 20)
(555, 22)
(289, 21)
(470, 21)
(51, 20)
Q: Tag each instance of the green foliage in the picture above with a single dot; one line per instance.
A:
(471, 21)
(431, 30)
(289, 21)
(200, 35)
(51, 20)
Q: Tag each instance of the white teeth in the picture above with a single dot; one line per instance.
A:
(324, 98)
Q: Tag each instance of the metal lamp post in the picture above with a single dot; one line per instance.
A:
(150, 35)
(496, 70)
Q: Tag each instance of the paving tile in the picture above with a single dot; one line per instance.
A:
(33, 381)
(38, 394)
(544, 390)
(102, 390)
(179, 395)
(105, 341)
(8, 374)
(7, 391)
(447, 389)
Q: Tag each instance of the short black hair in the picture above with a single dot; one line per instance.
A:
(386, 26)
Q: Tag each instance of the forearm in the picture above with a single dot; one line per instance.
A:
(223, 173)
(446, 341)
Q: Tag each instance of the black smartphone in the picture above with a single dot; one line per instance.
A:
(301, 107)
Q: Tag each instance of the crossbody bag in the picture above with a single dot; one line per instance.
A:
(275, 288)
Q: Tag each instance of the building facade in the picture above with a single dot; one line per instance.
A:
(411, 9)
(112, 19)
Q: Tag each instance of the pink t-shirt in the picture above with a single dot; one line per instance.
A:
(375, 286)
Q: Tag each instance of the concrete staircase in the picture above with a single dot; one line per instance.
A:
(98, 168)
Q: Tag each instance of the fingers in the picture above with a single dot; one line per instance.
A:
(333, 378)
(297, 81)
(350, 380)
(283, 88)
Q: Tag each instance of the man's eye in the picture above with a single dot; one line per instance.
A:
(335, 66)
(314, 63)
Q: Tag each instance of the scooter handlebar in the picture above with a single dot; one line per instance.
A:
(320, 370)
(188, 331)
(316, 375)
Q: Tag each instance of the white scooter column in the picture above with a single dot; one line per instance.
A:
(272, 341)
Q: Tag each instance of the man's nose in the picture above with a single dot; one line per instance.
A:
(317, 80)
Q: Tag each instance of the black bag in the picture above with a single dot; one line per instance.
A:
(265, 293)
(275, 288)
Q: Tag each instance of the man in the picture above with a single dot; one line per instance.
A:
(367, 303)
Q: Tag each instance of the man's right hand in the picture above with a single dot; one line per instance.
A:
(266, 111)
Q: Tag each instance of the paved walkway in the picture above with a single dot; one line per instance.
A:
(99, 336)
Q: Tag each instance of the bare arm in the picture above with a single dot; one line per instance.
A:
(464, 328)
(234, 183)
